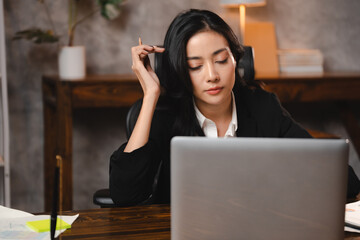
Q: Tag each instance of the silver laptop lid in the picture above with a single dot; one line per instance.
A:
(258, 188)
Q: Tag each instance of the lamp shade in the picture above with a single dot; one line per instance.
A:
(248, 3)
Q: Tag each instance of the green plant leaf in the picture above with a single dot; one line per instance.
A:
(110, 9)
(36, 35)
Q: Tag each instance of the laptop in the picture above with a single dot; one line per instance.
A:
(258, 188)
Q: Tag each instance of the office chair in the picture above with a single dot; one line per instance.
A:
(102, 197)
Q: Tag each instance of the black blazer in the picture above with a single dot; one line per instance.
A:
(132, 175)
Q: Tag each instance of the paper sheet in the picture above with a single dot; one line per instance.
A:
(12, 213)
(15, 228)
(13, 224)
(349, 229)
(352, 216)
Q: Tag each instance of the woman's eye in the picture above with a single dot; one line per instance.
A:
(195, 68)
(222, 61)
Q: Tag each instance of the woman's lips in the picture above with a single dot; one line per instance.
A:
(214, 90)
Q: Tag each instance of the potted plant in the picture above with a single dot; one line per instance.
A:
(71, 61)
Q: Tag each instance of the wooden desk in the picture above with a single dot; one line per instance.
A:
(140, 222)
(61, 98)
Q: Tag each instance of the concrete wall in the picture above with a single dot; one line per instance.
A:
(329, 25)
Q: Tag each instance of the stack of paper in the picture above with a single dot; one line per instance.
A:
(300, 61)
(14, 224)
(352, 217)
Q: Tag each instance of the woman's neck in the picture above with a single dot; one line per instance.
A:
(220, 114)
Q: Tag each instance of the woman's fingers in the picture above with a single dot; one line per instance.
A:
(141, 52)
(141, 62)
(155, 48)
(144, 51)
(159, 49)
(149, 49)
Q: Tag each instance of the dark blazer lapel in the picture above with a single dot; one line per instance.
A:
(247, 126)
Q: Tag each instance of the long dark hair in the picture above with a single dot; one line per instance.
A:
(172, 67)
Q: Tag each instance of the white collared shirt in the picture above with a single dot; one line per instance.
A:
(208, 126)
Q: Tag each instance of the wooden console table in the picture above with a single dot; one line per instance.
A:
(62, 97)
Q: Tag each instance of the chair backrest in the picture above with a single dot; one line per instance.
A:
(134, 111)
(246, 65)
(245, 68)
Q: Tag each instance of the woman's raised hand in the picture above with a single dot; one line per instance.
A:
(151, 88)
(143, 70)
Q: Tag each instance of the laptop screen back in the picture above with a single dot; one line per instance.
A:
(258, 188)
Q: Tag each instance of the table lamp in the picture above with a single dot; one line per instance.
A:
(241, 4)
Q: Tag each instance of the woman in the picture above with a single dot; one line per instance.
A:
(203, 95)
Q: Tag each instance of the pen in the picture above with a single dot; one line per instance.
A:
(53, 217)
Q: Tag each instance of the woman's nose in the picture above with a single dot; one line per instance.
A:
(212, 73)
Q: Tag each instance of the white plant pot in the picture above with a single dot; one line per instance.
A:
(72, 62)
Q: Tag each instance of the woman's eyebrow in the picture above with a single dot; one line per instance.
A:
(193, 58)
(213, 54)
(219, 51)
